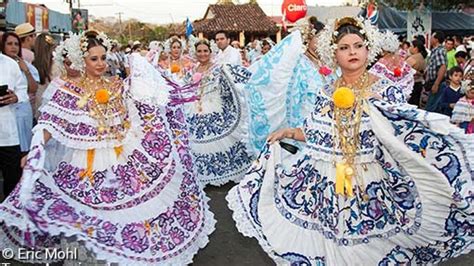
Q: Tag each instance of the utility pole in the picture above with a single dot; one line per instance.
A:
(120, 21)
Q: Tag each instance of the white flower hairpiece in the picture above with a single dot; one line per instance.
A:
(75, 49)
(169, 41)
(389, 41)
(306, 29)
(71, 49)
(214, 48)
(192, 41)
(327, 39)
(103, 39)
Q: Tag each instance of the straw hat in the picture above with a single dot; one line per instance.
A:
(25, 29)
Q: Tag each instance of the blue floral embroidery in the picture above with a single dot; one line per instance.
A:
(213, 126)
(223, 163)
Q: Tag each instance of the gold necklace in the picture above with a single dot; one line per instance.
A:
(346, 128)
(105, 103)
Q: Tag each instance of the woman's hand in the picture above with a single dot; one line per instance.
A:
(23, 161)
(22, 64)
(9, 98)
(280, 134)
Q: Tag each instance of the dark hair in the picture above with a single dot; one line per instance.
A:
(205, 42)
(136, 47)
(455, 69)
(439, 35)
(348, 29)
(449, 39)
(420, 46)
(92, 40)
(44, 46)
(457, 38)
(317, 25)
(421, 38)
(173, 40)
(461, 54)
(4, 40)
(406, 43)
(223, 32)
(265, 43)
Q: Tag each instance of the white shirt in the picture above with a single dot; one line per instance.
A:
(230, 55)
(10, 75)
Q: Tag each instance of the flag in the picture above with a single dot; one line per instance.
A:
(189, 27)
(372, 13)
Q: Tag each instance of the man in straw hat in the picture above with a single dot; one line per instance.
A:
(27, 34)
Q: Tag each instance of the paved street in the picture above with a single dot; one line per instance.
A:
(228, 247)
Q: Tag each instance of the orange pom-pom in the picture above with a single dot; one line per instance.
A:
(102, 96)
(175, 68)
(343, 98)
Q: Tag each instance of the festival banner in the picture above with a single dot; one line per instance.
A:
(37, 16)
(419, 23)
(80, 20)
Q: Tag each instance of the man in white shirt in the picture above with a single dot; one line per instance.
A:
(227, 54)
(10, 156)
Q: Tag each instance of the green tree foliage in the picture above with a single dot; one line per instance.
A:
(131, 30)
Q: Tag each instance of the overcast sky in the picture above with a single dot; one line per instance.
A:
(163, 11)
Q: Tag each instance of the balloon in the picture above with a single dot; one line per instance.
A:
(293, 10)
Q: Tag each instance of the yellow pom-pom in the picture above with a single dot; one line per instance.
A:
(175, 68)
(343, 98)
(102, 96)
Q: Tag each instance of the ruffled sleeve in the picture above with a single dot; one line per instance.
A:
(145, 83)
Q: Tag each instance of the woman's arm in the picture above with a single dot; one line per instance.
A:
(287, 133)
(32, 84)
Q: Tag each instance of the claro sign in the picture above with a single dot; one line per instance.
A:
(293, 10)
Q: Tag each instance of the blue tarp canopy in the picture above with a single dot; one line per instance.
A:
(16, 14)
(447, 21)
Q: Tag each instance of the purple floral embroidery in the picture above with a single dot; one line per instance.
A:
(135, 238)
(130, 181)
(67, 176)
(177, 236)
(187, 216)
(61, 211)
(157, 144)
(106, 234)
(140, 157)
(108, 195)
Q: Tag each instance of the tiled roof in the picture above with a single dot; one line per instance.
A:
(235, 18)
